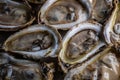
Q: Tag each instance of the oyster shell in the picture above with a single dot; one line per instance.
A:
(14, 15)
(101, 9)
(103, 66)
(16, 69)
(80, 43)
(64, 14)
(13, 69)
(36, 41)
(112, 27)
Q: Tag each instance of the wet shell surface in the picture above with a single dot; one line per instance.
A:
(64, 14)
(81, 42)
(59, 39)
(14, 15)
(35, 41)
(103, 66)
(112, 28)
(101, 9)
(14, 69)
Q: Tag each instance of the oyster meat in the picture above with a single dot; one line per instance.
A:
(112, 27)
(103, 66)
(59, 39)
(80, 43)
(101, 9)
(14, 15)
(35, 41)
(64, 14)
(15, 69)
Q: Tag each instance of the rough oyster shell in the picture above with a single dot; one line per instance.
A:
(16, 69)
(79, 44)
(35, 41)
(14, 15)
(103, 66)
(101, 9)
(112, 27)
(64, 14)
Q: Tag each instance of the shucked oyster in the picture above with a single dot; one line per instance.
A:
(16, 69)
(48, 69)
(64, 14)
(14, 15)
(35, 41)
(80, 43)
(103, 66)
(101, 9)
(112, 27)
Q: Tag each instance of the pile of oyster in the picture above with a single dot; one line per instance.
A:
(59, 39)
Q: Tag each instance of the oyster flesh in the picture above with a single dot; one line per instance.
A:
(101, 10)
(80, 43)
(103, 66)
(14, 15)
(15, 69)
(64, 14)
(112, 27)
(36, 41)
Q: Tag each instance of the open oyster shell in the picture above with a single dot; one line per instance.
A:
(101, 9)
(112, 27)
(36, 41)
(64, 14)
(103, 66)
(80, 43)
(16, 69)
(14, 15)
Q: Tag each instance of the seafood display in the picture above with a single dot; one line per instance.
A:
(59, 39)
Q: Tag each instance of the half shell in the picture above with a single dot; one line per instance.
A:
(64, 14)
(17, 69)
(80, 43)
(112, 27)
(14, 15)
(35, 41)
(101, 9)
(103, 66)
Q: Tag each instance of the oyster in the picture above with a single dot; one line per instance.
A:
(80, 43)
(15, 69)
(101, 9)
(14, 15)
(112, 27)
(64, 14)
(36, 41)
(103, 66)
